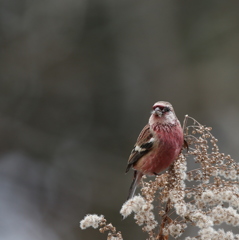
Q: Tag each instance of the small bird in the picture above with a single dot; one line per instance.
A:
(158, 145)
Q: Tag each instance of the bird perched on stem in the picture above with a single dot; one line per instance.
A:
(158, 145)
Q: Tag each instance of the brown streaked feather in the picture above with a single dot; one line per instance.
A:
(143, 142)
(144, 135)
(134, 184)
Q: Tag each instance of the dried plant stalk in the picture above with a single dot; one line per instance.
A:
(205, 196)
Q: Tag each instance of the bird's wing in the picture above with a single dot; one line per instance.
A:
(143, 145)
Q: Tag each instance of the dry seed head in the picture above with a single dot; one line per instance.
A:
(205, 196)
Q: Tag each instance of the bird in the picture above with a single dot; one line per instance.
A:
(158, 144)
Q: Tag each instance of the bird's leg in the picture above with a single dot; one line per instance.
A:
(185, 145)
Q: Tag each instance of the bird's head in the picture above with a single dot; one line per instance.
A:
(163, 113)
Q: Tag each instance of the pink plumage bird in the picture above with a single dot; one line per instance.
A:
(158, 145)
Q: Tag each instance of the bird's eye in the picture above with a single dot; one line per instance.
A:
(163, 109)
(166, 109)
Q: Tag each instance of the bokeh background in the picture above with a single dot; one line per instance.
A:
(77, 82)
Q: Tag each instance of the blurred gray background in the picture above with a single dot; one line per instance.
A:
(77, 82)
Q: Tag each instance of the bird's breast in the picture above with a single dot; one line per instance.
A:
(167, 147)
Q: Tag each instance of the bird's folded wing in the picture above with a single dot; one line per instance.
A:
(143, 145)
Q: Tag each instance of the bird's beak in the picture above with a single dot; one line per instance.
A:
(157, 111)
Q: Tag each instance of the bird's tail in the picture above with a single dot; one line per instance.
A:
(134, 184)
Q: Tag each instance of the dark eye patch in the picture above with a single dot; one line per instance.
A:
(162, 108)
(166, 109)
